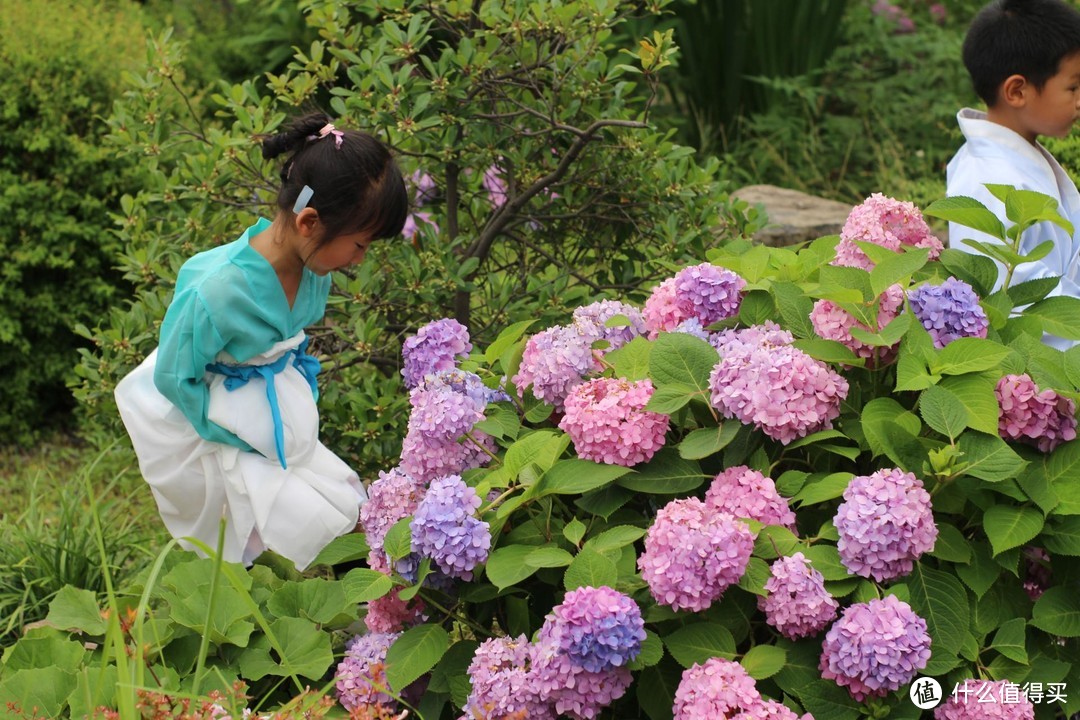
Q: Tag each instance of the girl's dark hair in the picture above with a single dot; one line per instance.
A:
(357, 186)
(1019, 37)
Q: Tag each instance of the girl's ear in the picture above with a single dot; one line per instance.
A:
(307, 222)
(1015, 91)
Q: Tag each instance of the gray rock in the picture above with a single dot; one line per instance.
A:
(794, 216)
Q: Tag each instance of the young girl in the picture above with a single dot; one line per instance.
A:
(222, 414)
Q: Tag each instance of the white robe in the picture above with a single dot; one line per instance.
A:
(996, 154)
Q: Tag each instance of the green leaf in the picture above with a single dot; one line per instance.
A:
(968, 212)
(665, 474)
(575, 476)
(897, 268)
(829, 351)
(631, 361)
(615, 538)
(605, 501)
(982, 572)
(1008, 526)
(775, 539)
(763, 661)
(826, 700)
(364, 585)
(188, 591)
(1031, 291)
(398, 539)
(880, 411)
(821, 489)
(754, 578)
(1063, 473)
(414, 653)
(698, 642)
(316, 599)
(306, 651)
(453, 664)
(42, 650)
(656, 690)
(652, 652)
(1062, 536)
(42, 692)
(574, 531)
(943, 411)
(500, 421)
(1010, 640)
(541, 447)
(346, 548)
(679, 358)
(976, 270)
(756, 307)
(825, 559)
(548, 557)
(590, 569)
(510, 335)
(794, 308)
(968, 355)
(989, 457)
(703, 442)
(670, 398)
(951, 545)
(940, 599)
(976, 394)
(1060, 316)
(75, 609)
(1057, 612)
(507, 565)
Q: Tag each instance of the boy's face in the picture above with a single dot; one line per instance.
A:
(1055, 108)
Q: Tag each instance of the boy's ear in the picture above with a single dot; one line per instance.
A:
(1016, 90)
(307, 221)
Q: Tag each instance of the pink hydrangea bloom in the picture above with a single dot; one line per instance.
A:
(391, 614)
(393, 496)
(495, 184)
(570, 689)
(797, 604)
(426, 458)
(985, 700)
(746, 493)
(714, 690)
(607, 421)
(780, 390)
(503, 683)
(554, 362)
(770, 710)
(417, 220)
(1043, 419)
(361, 674)
(661, 312)
(885, 524)
(708, 292)
(832, 322)
(598, 628)
(886, 222)
(591, 322)
(767, 335)
(693, 553)
(875, 647)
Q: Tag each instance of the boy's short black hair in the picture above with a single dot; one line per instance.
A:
(1019, 37)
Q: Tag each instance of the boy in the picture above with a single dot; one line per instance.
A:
(1024, 61)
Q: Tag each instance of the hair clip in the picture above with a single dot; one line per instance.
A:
(329, 129)
(302, 199)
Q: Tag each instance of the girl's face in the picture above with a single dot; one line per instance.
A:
(341, 252)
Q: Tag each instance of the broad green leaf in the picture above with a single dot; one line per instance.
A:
(821, 489)
(656, 688)
(897, 268)
(679, 358)
(631, 361)
(652, 652)
(756, 307)
(943, 411)
(989, 457)
(825, 558)
(43, 649)
(397, 542)
(774, 539)
(829, 351)
(76, 609)
(575, 476)
(42, 692)
(670, 398)
(982, 572)
(1008, 526)
(510, 335)
(605, 501)
(414, 653)
(1072, 365)
(453, 664)
(968, 212)
(844, 285)
(968, 355)
(756, 575)
(1031, 291)
(763, 661)
(1057, 612)
(574, 531)
(346, 548)
(886, 336)
(1063, 473)
(951, 545)
(95, 688)
(976, 270)
(500, 421)
(877, 413)
(1021, 206)
(976, 394)
(541, 447)
(665, 474)
(316, 599)
(306, 651)
(940, 599)
(794, 308)
(548, 557)
(187, 595)
(1062, 536)
(590, 569)
(507, 565)
(364, 585)
(1060, 316)
(1010, 640)
(703, 442)
(1036, 486)
(698, 642)
(615, 538)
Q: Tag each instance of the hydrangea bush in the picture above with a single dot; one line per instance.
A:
(783, 484)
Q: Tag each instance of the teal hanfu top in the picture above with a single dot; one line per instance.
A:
(227, 299)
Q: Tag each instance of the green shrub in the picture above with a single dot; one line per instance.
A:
(62, 64)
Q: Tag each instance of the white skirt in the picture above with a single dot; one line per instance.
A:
(295, 510)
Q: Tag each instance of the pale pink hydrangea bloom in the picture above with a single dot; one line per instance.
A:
(770, 710)
(426, 458)
(832, 322)
(391, 614)
(714, 690)
(661, 312)
(886, 222)
(797, 604)
(983, 700)
(569, 688)
(694, 553)
(1043, 419)
(503, 683)
(746, 493)
(554, 362)
(607, 421)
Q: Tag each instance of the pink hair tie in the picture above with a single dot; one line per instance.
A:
(329, 129)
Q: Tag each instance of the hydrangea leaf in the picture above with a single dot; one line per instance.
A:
(414, 653)
(398, 539)
(943, 411)
(897, 268)
(795, 309)
(1011, 640)
(881, 410)
(989, 458)
(652, 652)
(968, 212)
(977, 271)
(976, 393)
(756, 307)
(590, 568)
(819, 489)
(951, 545)
(703, 442)
(506, 566)
(670, 398)
(1060, 316)
(763, 661)
(656, 688)
(969, 355)
(697, 642)
(43, 648)
(315, 599)
(548, 557)
(683, 359)
(605, 501)
(940, 599)
(574, 531)
(665, 474)
(454, 662)
(510, 335)
(631, 361)
(1009, 526)
(1062, 469)
(615, 538)
(825, 558)
(364, 585)
(346, 548)
(1062, 536)
(1031, 291)
(829, 351)
(1057, 612)
(575, 476)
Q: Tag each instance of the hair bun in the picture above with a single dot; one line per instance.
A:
(295, 136)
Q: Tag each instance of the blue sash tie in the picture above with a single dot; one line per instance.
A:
(237, 376)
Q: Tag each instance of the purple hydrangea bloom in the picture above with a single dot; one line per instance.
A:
(503, 683)
(440, 413)
(554, 362)
(1043, 419)
(693, 327)
(495, 184)
(393, 496)
(767, 335)
(885, 523)
(746, 493)
(445, 528)
(797, 604)
(436, 346)
(569, 688)
(708, 292)
(598, 628)
(591, 322)
(427, 458)
(693, 554)
(423, 186)
(713, 690)
(985, 700)
(875, 647)
(948, 311)
(415, 221)
(361, 674)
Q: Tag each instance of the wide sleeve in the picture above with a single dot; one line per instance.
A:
(190, 340)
